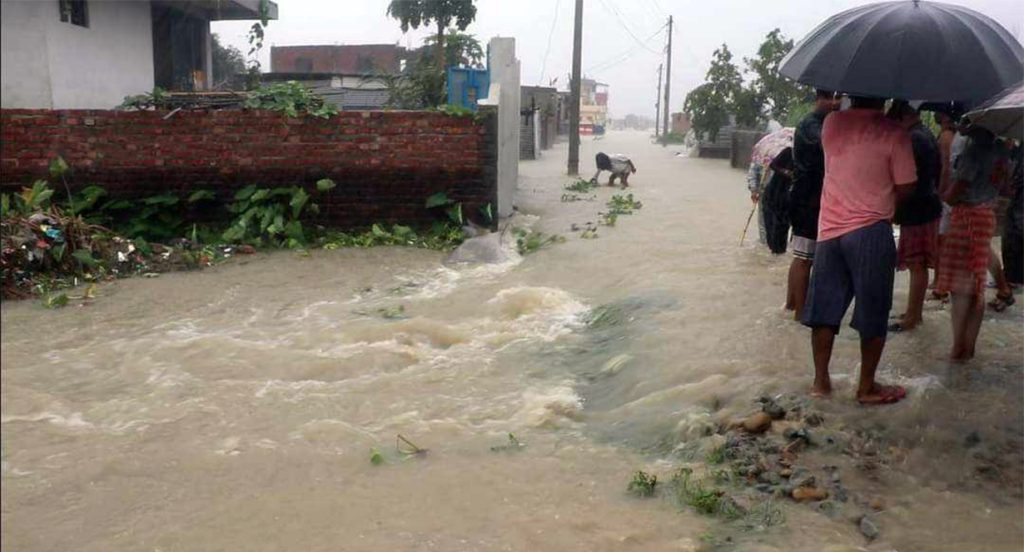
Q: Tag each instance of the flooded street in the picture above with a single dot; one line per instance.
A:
(236, 408)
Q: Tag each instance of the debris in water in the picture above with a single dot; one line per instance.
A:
(376, 458)
(512, 445)
(643, 484)
(407, 447)
(868, 528)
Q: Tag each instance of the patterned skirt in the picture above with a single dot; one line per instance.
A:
(919, 244)
(963, 263)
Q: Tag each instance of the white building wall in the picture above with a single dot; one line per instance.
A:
(504, 92)
(51, 64)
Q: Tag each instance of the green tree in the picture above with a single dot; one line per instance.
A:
(228, 61)
(709, 104)
(777, 93)
(441, 13)
(707, 110)
(748, 107)
(460, 49)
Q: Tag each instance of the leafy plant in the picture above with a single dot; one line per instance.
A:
(270, 216)
(454, 110)
(452, 209)
(157, 99)
(705, 500)
(291, 98)
(643, 484)
(581, 186)
(530, 241)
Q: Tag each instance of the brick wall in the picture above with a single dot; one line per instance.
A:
(386, 163)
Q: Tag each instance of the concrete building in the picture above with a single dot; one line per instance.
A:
(593, 106)
(338, 59)
(503, 94)
(539, 122)
(90, 54)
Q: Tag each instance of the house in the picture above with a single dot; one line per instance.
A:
(339, 59)
(90, 54)
(539, 120)
(344, 91)
(593, 106)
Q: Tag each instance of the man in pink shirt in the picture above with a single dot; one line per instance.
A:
(869, 166)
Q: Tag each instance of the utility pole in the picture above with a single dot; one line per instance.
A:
(657, 104)
(574, 92)
(668, 82)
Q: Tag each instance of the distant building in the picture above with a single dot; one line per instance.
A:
(593, 106)
(62, 54)
(539, 108)
(680, 123)
(349, 59)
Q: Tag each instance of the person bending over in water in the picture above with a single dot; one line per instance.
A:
(619, 165)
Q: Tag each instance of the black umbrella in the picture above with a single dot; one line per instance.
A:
(911, 50)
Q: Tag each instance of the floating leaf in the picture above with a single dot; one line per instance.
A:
(376, 458)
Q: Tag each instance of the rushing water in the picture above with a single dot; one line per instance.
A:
(236, 408)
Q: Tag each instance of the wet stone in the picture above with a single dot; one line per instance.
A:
(868, 528)
(757, 423)
(809, 494)
(972, 440)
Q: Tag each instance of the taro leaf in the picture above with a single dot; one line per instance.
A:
(438, 200)
(200, 195)
(85, 257)
(245, 192)
(455, 213)
(299, 199)
(376, 458)
(379, 232)
(55, 300)
(401, 231)
(58, 167)
(57, 251)
(325, 184)
(116, 204)
(162, 199)
(260, 194)
(38, 195)
(233, 234)
(87, 198)
(294, 230)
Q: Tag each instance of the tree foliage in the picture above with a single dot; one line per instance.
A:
(709, 104)
(422, 85)
(228, 61)
(776, 93)
(460, 49)
(441, 13)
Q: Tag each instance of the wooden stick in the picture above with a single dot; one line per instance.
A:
(745, 228)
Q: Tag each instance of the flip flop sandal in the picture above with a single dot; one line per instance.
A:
(1001, 302)
(891, 394)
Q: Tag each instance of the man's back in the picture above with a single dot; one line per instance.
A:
(866, 156)
(808, 172)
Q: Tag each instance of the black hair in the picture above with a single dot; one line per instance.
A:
(604, 163)
(867, 102)
(824, 94)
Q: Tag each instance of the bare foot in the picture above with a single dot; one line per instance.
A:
(821, 390)
(882, 394)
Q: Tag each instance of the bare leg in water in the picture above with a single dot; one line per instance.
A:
(966, 316)
(868, 390)
(995, 268)
(915, 297)
(799, 279)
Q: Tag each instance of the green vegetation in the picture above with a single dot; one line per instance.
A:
(290, 98)
(51, 243)
(642, 485)
(581, 186)
(619, 205)
(530, 241)
(767, 94)
(709, 501)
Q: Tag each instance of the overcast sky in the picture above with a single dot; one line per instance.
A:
(610, 53)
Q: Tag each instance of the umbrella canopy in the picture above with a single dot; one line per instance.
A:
(1003, 114)
(771, 145)
(913, 50)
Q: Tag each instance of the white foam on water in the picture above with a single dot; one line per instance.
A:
(557, 406)
(71, 421)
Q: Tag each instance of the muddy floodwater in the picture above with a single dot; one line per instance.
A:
(236, 408)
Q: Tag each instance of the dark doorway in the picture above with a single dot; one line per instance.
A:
(179, 48)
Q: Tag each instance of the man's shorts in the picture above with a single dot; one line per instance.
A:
(803, 248)
(858, 265)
